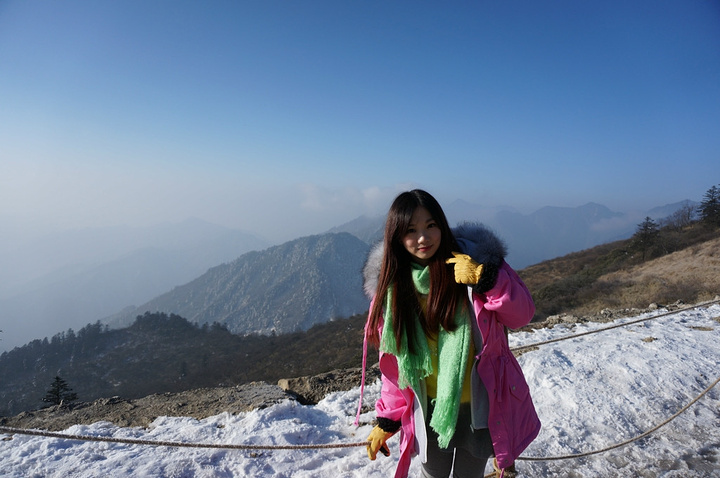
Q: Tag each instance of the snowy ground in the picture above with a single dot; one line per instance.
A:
(591, 392)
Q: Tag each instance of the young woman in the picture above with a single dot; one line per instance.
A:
(441, 301)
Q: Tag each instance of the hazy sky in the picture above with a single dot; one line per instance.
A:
(289, 117)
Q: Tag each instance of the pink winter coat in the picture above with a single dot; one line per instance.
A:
(512, 420)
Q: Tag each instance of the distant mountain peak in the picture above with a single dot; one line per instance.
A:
(284, 288)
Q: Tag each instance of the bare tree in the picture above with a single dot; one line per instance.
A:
(683, 217)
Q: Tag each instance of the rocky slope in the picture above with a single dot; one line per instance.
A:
(199, 403)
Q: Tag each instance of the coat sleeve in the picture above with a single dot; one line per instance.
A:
(510, 299)
(392, 403)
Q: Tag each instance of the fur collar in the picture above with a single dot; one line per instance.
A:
(474, 239)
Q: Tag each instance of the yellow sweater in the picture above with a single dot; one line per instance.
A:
(431, 380)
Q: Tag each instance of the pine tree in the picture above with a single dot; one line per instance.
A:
(710, 207)
(59, 392)
(646, 235)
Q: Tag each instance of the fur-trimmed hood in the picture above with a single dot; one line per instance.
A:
(371, 269)
(473, 238)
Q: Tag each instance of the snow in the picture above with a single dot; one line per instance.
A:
(590, 392)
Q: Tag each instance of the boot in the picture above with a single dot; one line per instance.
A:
(508, 472)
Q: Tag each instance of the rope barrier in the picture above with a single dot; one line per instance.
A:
(130, 441)
(582, 334)
(626, 442)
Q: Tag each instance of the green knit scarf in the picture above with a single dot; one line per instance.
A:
(453, 350)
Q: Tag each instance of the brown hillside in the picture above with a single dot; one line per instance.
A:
(685, 267)
(691, 275)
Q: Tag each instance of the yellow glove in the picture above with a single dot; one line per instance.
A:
(376, 441)
(467, 271)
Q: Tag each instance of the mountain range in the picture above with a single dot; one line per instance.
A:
(544, 234)
(208, 273)
(282, 289)
(77, 277)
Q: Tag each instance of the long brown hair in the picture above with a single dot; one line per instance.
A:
(444, 296)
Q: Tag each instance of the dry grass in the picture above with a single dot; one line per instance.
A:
(615, 276)
(690, 275)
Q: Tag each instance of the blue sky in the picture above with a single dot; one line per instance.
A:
(287, 118)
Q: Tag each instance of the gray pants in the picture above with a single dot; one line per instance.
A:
(467, 454)
(462, 464)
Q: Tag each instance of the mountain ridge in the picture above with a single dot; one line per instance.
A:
(113, 289)
(281, 289)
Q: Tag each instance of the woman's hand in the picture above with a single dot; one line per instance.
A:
(467, 271)
(376, 442)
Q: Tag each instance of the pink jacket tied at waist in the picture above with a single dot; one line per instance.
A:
(512, 420)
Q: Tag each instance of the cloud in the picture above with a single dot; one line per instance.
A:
(68, 196)
(372, 200)
(78, 195)
(317, 198)
(619, 223)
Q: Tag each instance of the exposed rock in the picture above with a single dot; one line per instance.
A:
(310, 390)
(554, 320)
